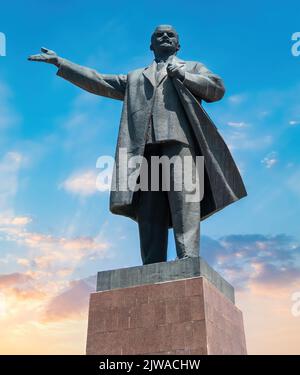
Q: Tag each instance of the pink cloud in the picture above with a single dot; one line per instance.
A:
(27, 294)
(12, 279)
(72, 303)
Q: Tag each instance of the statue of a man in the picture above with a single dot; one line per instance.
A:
(162, 116)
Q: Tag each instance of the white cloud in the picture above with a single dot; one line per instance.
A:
(237, 99)
(21, 220)
(294, 122)
(81, 183)
(14, 220)
(238, 140)
(270, 160)
(237, 124)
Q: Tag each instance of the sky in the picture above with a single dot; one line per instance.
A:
(56, 230)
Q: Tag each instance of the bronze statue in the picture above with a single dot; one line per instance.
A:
(162, 116)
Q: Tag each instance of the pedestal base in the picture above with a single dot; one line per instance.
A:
(188, 315)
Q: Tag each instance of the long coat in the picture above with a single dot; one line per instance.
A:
(222, 181)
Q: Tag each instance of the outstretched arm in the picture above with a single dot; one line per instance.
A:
(111, 86)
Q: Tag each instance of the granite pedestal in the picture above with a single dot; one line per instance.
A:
(178, 307)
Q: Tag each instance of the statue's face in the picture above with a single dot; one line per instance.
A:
(164, 39)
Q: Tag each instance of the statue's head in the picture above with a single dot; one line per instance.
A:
(164, 40)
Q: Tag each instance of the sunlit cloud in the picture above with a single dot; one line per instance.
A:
(13, 279)
(72, 303)
(3, 307)
(27, 294)
(14, 220)
(252, 260)
(50, 253)
(263, 269)
(29, 298)
(81, 183)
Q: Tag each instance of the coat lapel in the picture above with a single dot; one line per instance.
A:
(150, 71)
(164, 73)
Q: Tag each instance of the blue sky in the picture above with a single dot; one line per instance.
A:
(51, 133)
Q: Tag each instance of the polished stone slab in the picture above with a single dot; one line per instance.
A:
(163, 272)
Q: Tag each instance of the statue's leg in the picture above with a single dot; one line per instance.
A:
(153, 220)
(185, 214)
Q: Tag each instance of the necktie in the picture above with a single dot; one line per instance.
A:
(159, 70)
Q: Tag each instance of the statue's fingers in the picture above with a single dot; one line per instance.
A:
(173, 69)
(45, 50)
(36, 58)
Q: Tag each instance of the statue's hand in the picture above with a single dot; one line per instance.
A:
(46, 56)
(175, 70)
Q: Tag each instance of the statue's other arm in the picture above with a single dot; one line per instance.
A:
(204, 84)
(109, 85)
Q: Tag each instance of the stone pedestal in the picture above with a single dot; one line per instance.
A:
(179, 307)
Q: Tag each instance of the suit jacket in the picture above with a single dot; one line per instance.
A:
(137, 89)
(168, 119)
